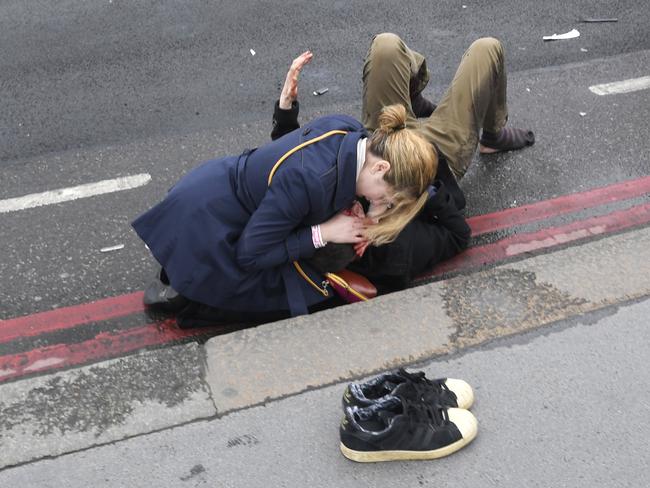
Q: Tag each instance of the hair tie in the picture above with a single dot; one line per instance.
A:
(431, 190)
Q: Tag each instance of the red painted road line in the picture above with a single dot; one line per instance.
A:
(575, 202)
(114, 307)
(68, 317)
(534, 241)
(104, 345)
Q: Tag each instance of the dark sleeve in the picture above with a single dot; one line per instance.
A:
(284, 121)
(442, 231)
(445, 175)
(275, 233)
(437, 233)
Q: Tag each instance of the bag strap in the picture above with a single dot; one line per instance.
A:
(322, 290)
(299, 147)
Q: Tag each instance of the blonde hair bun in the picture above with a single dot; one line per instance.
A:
(392, 118)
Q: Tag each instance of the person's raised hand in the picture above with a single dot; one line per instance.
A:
(343, 229)
(290, 89)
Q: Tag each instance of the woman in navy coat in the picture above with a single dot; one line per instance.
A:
(227, 234)
(437, 233)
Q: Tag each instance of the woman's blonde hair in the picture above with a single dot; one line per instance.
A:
(413, 165)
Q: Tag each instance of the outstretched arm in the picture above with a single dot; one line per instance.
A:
(285, 113)
(290, 89)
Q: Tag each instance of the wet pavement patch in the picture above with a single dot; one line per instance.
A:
(108, 401)
(500, 300)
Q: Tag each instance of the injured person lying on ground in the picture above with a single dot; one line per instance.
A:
(252, 238)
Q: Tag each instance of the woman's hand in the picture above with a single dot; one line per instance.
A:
(290, 89)
(343, 229)
(360, 247)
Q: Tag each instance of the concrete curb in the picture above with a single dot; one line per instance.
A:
(268, 362)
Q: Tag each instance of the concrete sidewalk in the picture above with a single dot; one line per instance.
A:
(154, 390)
(567, 406)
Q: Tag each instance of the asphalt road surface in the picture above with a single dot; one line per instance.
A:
(103, 89)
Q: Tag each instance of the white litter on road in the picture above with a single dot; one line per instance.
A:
(252, 52)
(625, 86)
(572, 34)
(117, 247)
(74, 192)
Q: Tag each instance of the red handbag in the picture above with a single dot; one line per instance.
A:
(351, 287)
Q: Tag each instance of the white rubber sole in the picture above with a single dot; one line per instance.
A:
(463, 391)
(464, 420)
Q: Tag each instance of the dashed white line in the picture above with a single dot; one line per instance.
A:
(625, 86)
(74, 192)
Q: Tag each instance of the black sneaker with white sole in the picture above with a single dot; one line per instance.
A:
(395, 429)
(445, 392)
(161, 299)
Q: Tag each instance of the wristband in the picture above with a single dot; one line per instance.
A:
(317, 237)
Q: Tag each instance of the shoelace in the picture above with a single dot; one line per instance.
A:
(424, 387)
(421, 413)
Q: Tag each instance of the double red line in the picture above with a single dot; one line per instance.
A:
(111, 344)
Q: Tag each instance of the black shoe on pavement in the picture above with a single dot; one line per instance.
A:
(395, 429)
(445, 392)
(160, 298)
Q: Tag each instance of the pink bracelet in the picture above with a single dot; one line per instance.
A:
(317, 237)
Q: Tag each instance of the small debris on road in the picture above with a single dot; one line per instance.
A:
(322, 91)
(584, 50)
(572, 34)
(595, 20)
(582, 114)
(117, 247)
(252, 52)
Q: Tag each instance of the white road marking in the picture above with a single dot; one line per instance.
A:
(74, 192)
(625, 86)
(44, 363)
(520, 248)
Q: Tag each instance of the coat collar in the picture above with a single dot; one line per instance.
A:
(346, 168)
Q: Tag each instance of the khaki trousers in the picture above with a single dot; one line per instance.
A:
(475, 100)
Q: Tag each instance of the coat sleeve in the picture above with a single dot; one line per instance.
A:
(442, 231)
(284, 121)
(275, 233)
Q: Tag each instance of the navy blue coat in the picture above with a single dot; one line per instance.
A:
(228, 240)
(437, 233)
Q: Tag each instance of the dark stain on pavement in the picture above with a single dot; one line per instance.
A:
(195, 471)
(502, 301)
(100, 397)
(243, 440)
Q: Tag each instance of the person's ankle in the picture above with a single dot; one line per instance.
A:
(487, 135)
(421, 106)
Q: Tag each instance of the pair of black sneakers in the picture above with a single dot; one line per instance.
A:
(404, 416)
